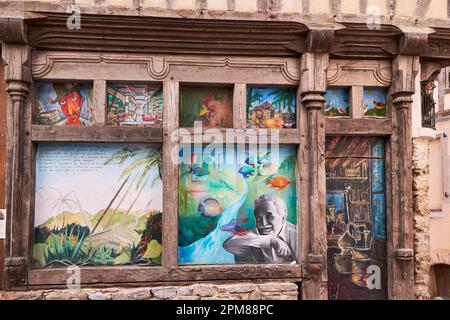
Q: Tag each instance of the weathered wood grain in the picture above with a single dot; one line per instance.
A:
(372, 127)
(96, 134)
(170, 175)
(136, 275)
(99, 93)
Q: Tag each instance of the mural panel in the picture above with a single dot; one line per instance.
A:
(337, 102)
(97, 204)
(375, 103)
(238, 206)
(60, 104)
(213, 106)
(356, 218)
(271, 108)
(134, 105)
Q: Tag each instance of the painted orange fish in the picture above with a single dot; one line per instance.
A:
(278, 182)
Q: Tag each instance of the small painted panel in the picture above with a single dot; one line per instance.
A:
(375, 103)
(377, 175)
(237, 205)
(271, 108)
(63, 103)
(212, 106)
(134, 105)
(355, 217)
(337, 102)
(379, 213)
(97, 204)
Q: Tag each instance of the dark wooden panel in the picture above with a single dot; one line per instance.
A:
(373, 127)
(96, 134)
(141, 275)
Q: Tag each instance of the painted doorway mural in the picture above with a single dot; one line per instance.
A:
(356, 218)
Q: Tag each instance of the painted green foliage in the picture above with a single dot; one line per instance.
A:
(97, 204)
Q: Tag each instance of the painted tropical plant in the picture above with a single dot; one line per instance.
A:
(82, 238)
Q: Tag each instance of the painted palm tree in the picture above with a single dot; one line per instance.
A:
(253, 95)
(63, 202)
(141, 162)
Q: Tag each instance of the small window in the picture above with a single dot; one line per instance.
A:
(375, 103)
(271, 108)
(212, 105)
(338, 102)
(132, 104)
(63, 103)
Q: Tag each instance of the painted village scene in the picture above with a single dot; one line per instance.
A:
(211, 105)
(375, 103)
(271, 108)
(60, 104)
(337, 102)
(355, 218)
(238, 207)
(134, 105)
(97, 204)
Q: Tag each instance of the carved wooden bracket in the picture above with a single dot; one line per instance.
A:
(15, 271)
(320, 40)
(13, 30)
(413, 43)
(404, 257)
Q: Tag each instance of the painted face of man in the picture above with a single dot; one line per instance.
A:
(268, 219)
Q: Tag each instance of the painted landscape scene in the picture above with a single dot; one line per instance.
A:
(225, 207)
(375, 103)
(271, 108)
(337, 102)
(61, 104)
(135, 105)
(97, 204)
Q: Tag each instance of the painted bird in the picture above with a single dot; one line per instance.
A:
(379, 105)
(234, 228)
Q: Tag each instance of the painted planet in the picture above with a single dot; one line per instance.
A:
(210, 208)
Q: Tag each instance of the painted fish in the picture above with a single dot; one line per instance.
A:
(278, 181)
(210, 207)
(198, 170)
(247, 170)
(234, 228)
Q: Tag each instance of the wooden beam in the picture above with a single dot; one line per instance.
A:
(140, 275)
(240, 105)
(99, 91)
(313, 86)
(239, 136)
(96, 134)
(171, 91)
(372, 127)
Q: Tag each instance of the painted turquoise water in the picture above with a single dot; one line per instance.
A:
(209, 250)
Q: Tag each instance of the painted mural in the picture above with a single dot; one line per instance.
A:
(134, 105)
(337, 102)
(238, 207)
(356, 218)
(271, 108)
(97, 204)
(213, 106)
(375, 102)
(67, 104)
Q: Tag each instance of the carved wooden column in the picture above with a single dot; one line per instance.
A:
(313, 227)
(16, 56)
(401, 266)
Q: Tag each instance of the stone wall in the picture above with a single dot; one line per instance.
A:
(206, 291)
(421, 217)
